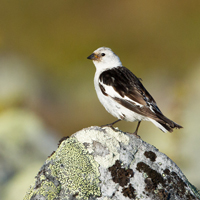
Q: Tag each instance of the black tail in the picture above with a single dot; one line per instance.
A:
(168, 124)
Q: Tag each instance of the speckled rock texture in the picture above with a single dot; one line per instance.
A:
(102, 163)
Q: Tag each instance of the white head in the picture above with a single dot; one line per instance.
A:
(104, 58)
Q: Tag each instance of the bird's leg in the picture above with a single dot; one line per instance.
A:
(136, 130)
(111, 124)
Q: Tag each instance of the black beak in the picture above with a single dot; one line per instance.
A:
(92, 57)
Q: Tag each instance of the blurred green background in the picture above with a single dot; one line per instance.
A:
(46, 82)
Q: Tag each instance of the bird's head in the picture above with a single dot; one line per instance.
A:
(104, 58)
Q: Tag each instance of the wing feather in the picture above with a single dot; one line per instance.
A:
(128, 86)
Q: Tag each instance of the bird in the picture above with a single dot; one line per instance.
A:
(122, 93)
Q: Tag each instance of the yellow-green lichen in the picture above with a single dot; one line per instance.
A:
(47, 190)
(76, 170)
(69, 171)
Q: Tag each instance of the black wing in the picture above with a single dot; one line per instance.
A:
(127, 84)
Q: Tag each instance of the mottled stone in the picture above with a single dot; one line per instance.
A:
(69, 172)
(102, 163)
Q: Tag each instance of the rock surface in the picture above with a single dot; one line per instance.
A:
(102, 163)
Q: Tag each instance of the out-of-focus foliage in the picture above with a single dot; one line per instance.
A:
(43, 65)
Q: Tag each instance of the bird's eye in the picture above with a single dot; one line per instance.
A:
(103, 54)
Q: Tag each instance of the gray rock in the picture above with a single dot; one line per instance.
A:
(102, 163)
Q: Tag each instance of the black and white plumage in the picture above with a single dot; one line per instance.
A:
(122, 94)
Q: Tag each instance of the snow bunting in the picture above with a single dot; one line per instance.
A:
(122, 94)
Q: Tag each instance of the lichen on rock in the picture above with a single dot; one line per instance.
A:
(102, 163)
(70, 171)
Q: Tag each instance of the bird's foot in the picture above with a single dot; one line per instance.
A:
(111, 124)
(135, 133)
(108, 125)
